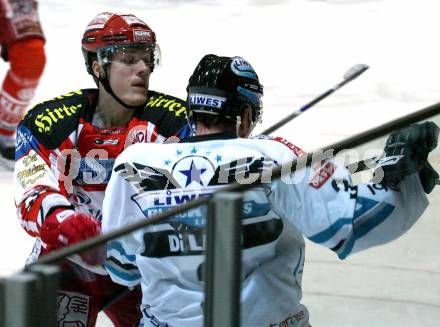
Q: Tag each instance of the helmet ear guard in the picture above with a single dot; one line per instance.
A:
(89, 57)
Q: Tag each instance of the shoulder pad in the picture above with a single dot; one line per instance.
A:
(168, 113)
(52, 121)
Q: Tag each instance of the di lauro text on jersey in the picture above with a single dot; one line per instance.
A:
(185, 234)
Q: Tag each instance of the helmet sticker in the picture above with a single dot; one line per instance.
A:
(99, 21)
(131, 20)
(242, 68)
(206, 100)
(141, 35)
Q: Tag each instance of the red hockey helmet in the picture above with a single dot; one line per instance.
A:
(107, 31)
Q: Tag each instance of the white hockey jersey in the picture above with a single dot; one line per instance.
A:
(318, 202)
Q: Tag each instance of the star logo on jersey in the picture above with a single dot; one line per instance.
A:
(193, 171)
(193, 174)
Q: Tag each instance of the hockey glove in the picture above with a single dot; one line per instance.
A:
(65, 227)
(406, 152)
(428, 177)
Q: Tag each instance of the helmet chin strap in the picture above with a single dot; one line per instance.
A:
(105, 82)
(237, 126)
(191, 124)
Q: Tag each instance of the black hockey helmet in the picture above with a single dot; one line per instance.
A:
(222, 86)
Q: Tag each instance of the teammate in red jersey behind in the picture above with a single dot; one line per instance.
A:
(22, 44)
(65, 153)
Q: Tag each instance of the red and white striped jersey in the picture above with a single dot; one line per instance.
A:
(63, 160)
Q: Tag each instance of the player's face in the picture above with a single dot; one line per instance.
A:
(129, 79)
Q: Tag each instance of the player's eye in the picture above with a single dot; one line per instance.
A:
(129, 59)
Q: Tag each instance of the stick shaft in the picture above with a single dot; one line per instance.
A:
(314, 101)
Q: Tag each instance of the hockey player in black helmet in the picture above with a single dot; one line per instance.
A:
(225, 90)
(224, 104)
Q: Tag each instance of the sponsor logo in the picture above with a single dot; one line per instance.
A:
(63, 215)
(47, 119)
(32, 158)
(28, 176)
(290, 321)
(141, 35)
(170, 104)
(297, 151)
(60, 97)
(392, 160)
(30, 169)
(151, 204)
(322, 175)
(141, 136)
(130, 20)
(187, 242)
(206, 100)
(94, 171)
(21, 140)
(184, 239)
(177, 199)
(98, 22)
(242, 68)
(111, 131)
(106, 142)
(193, 171)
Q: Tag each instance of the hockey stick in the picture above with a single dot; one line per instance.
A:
(351, 74)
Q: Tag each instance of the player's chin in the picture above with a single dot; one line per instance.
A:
(136, 98)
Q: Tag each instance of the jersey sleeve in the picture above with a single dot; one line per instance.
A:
(42, 136)
(168, 114)
(321, 202)
(118, 212)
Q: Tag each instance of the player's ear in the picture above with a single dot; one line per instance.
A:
(246, 122)
(97, 70)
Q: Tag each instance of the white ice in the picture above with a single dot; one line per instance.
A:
(299, 48)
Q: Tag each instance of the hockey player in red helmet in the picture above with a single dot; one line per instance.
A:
(66, 148)
(112, 42)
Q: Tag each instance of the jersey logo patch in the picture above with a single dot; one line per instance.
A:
(296, 150)
(322, 175)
